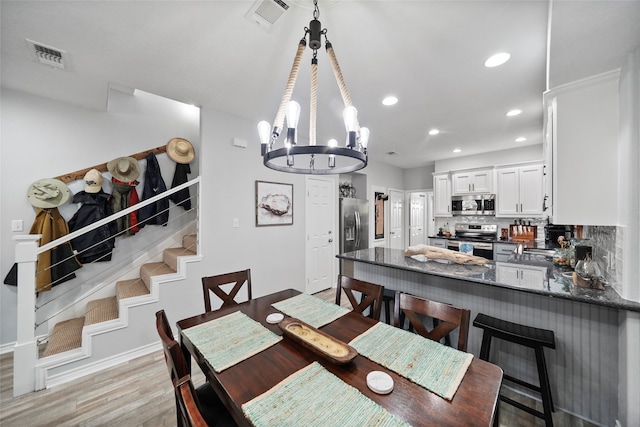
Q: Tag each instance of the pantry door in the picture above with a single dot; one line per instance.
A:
(321, 238)
(396, 219)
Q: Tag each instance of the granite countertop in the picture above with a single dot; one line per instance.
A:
(554, 282)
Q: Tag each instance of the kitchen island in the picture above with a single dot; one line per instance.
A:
(584, 366)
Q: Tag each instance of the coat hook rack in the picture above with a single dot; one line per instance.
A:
(79, 174)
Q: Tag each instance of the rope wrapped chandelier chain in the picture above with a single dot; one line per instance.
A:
(313, 158)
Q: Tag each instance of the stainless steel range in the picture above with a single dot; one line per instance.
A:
(474, 238)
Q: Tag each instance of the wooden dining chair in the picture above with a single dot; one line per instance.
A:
(371, 295)
(214, 283)
(187, 405)
(205, 397)
(449, 318)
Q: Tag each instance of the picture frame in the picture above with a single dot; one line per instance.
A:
(274, 203)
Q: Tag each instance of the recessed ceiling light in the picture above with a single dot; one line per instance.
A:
(521, 139)
(497, 59)
(457, 150)
(434, 132)
(514, 112)
(390, 100)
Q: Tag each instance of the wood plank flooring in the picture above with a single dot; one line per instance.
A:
(139, 393)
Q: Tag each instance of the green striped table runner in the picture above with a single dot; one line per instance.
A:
(230, 339)
(311, 310)
(436, 367)
(314, 397)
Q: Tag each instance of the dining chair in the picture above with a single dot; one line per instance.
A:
(371, 295)
(205, 397)
(214, 283)
(449, 318)
(187, 404)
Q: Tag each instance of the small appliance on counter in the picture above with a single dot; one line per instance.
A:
(553, 231)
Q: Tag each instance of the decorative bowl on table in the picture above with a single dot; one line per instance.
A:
(317, 341)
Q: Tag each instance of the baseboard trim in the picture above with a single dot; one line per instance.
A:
(7, 348)
(100, 365)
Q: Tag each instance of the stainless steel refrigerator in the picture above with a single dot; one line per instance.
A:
(354, 224)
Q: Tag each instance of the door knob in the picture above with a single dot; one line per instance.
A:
(330, 240)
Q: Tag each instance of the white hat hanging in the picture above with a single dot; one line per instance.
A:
(48, 193)
(125, 169)
(180, 150)
(92, 181)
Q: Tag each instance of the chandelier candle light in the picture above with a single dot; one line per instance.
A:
(313, 159)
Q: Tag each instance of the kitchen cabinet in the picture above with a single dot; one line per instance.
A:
(502, 251)
(529, 276)
(441, 194)
(473, 182)
(581, 150)
(439, 243)
(520, 191)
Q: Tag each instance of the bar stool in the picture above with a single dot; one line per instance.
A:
(534, 338)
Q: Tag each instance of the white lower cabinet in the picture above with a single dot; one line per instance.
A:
(526, 276)
(502, 251)
(439, 243)
(520, 191)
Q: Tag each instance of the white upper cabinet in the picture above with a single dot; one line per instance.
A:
(581, 134)
(520, 191)
(473, 182)
(441, 195)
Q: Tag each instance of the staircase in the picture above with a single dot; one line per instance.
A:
(67, 335)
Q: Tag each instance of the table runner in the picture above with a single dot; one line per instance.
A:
(436, 367)
(230, 339)
(310, 309)
(314, 397)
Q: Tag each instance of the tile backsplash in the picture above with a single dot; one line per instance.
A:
(607, 251)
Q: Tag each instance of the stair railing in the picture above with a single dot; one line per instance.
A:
(25, 353)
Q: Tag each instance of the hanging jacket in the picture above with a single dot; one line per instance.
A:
(123, 196)
(182, 197)
(156, 213)
(97, 244)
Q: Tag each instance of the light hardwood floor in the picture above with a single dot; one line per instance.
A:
(139, 393)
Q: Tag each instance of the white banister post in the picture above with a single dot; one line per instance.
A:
(25, 353)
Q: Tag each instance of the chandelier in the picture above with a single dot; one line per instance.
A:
(313, 158)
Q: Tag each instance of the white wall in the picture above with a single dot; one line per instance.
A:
(495, 158)
(42, 138)
(419, 178)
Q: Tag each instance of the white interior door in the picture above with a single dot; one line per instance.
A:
(321, 234)
(417, 218)
(396, 219)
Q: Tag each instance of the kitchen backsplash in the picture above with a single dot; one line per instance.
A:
(501, 222)
(607, 240)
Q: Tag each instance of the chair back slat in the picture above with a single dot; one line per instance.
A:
(449, 318)
(214, 284)
(187, 403)
(371, 295)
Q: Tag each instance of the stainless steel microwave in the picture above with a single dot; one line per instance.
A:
(474, 204)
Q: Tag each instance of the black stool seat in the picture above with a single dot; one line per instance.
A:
(528, 336)
(514, 332)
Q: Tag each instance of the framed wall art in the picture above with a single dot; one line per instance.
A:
(274, 203)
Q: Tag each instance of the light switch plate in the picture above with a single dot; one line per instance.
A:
(17, 225)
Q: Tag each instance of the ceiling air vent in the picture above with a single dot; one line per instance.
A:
(265, 13)
(48, 55)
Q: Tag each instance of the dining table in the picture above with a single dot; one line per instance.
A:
(241, 384)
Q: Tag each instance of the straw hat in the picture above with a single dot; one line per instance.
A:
(48, 193)
(180, 150)
(125, 169)
(92, 181)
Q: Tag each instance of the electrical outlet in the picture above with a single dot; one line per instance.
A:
(236, 223)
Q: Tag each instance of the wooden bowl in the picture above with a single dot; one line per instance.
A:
(317, 341)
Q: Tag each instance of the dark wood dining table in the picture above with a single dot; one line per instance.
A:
(474, 403)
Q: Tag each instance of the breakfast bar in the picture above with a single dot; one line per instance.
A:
(583, 368)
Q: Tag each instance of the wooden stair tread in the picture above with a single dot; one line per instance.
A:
(131, 288)
(65, 336)
(170, 256)
(190, 241)
(154, 269)
(101, 310)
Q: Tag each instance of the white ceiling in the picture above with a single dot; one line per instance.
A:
(429, 54)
